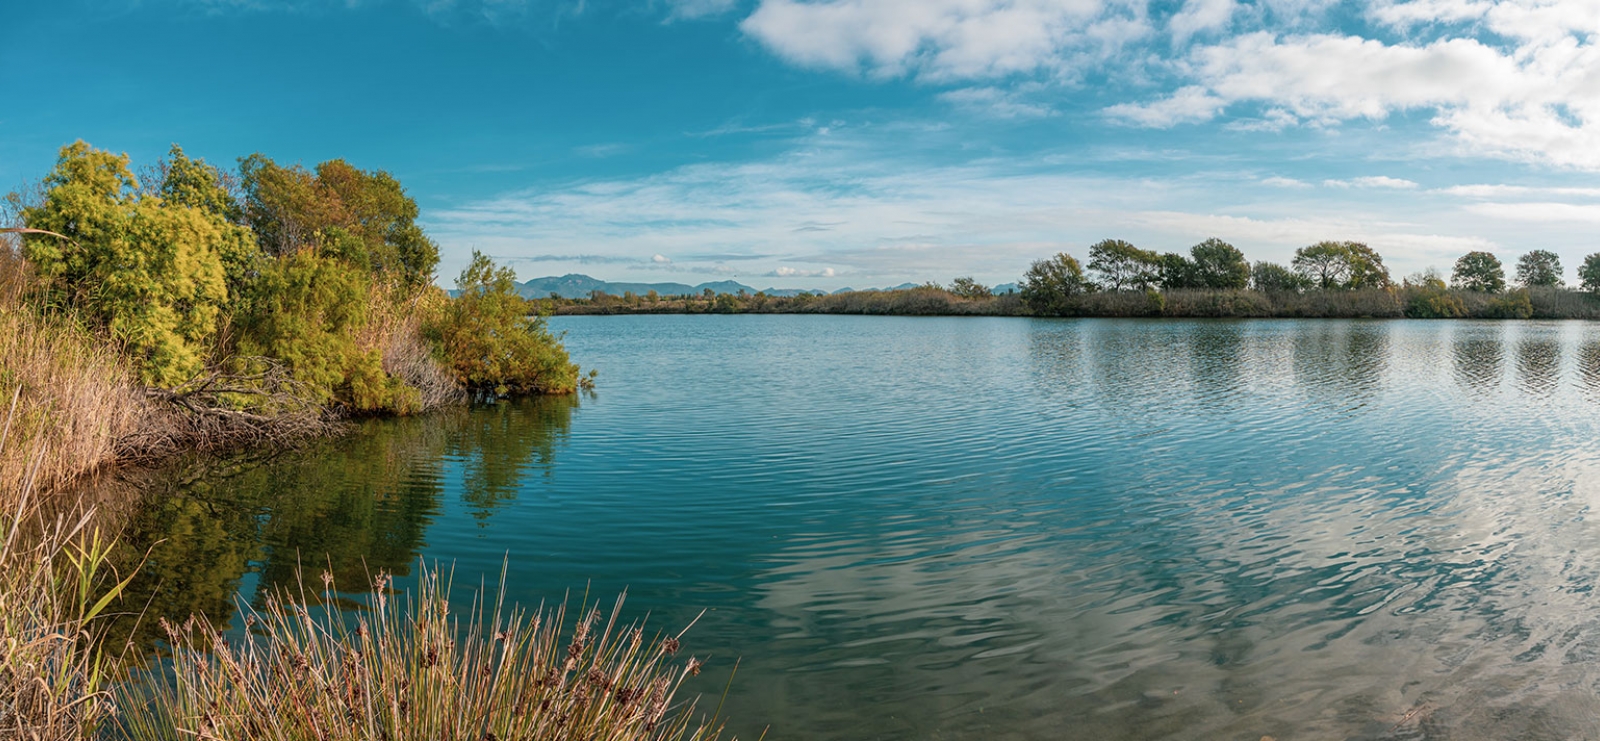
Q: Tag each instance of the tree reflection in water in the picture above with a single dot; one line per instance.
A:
(211, 528)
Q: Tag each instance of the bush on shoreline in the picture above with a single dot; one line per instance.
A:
(192, 307)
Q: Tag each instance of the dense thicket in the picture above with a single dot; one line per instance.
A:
(239, 295)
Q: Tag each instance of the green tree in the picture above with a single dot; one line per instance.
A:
(364, 218)
(1274, 278)
(1325, 265)
(1219, 265)
(488, 340)
(1050, 286)
(1479, 271)
(968, 288)
(1124, 267)
(1589, 273)
(147, 272)
(1366, 267)
(1341, 265)
(1539, 268)
(1179, 272)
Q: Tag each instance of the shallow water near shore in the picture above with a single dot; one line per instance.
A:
(966, 528)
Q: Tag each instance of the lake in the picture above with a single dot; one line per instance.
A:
(965, 528)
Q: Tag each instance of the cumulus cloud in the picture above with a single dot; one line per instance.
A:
(1517, 79)
(660, 259)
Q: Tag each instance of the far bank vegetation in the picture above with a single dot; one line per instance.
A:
(1324, 280)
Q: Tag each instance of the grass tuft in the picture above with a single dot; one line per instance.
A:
(412, 670)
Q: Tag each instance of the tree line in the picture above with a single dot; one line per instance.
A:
(1058, 285)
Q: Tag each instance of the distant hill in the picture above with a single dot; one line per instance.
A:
(577, 285)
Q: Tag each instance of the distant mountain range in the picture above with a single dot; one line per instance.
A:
(577, 285)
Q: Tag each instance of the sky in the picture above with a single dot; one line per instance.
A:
(832, 143)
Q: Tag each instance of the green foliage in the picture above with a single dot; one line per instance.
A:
(1178, 272)
(305, 310)
(1539, 268)
(967, 288)
(487, 339)
(148, 272)
(1479, 271)
(1513, 305)
(1049, 286)
(1219, 266)
(1122, 266)
(1271, 277)
(364, 218)
(193, 183)
(1589, 273)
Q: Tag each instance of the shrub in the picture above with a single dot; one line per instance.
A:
(490, 343)
(1433, 302)
(1514, 305)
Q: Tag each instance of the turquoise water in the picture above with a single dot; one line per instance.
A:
(965, 528)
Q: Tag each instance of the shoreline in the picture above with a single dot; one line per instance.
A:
(1401, 302)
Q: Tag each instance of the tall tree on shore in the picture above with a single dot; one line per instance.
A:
(1479, 271)
(1589, 273)
(1341, 265)
(1539, 268)
(1219, 265)
(1122, 266)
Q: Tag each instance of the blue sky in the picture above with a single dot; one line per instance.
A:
(824, 143)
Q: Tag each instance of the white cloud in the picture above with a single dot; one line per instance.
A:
(1283, 182)
(1531, 94)
(1539, 212)
(788, 272)
(660, 259)
(1188, 104)
(1198, 16)
(1374, 181)
(942, 39)
(1505, 191)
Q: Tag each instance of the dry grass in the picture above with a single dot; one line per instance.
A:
(53, 592)
(394, 327)
(67, 398)
(410, 670)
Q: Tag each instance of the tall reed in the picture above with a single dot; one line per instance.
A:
(411, 670)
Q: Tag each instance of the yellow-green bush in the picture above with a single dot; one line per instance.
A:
(489, 341)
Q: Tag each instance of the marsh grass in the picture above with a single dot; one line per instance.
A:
(410, 669)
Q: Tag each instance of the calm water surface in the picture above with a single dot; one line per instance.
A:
(968, 528)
